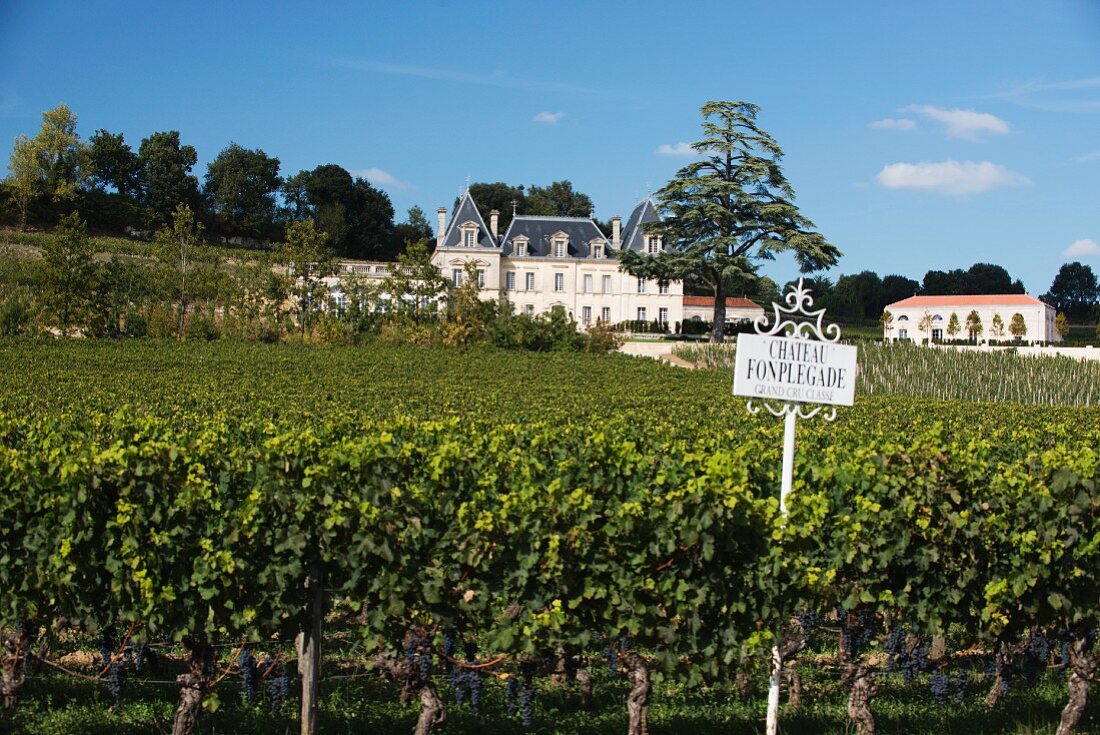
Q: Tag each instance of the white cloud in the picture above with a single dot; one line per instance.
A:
(965, 124)
(1083, 248)
(1094, 156)
(949, 177)
(890, 123)
(378, 177)
(1071, 95)
(676, 149)
(549, 118)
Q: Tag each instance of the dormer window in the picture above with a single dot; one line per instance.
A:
(653, 244)
(520, 248)
(559, 244)
(469, 234)
(597, 250)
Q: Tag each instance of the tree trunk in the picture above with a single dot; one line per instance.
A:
(192, 689)
(13, 668)
(584, 681)
(938, 649)
(1083, 671)
(637, 702)
(794, 683)
(859, 699)
(994, 694)
(309, 652)
(718, 328)
(433, 712)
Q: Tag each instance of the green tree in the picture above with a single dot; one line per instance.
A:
(864, 291)
(729, 210)
(997, 328)
(112, 164)
(26, 181)
(1061, 325)
(468, 318)
(558, 200)
(953, 326)
(887, 321)
(974, 325)
(895, 288)
(414, 229)
(72, 269)
(1074, 291)
(309, 261)
(166, 179)
(61, 154)
(501, 197)
(925, 325)
(296, 198)
(415, 284)
(357, 217)
(180, 249)
(241, 186)
(1016, 326)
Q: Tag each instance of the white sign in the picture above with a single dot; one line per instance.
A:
(791, 369)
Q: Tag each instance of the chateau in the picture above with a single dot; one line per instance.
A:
(545, 263)
(991, 309)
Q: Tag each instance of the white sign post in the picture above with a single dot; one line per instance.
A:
(794, 362)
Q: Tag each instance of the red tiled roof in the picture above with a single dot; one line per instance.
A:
(730, 301)
(1011, 299)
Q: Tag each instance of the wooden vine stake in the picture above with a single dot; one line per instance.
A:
(794, 362)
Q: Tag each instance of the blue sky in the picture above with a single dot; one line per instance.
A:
(917, 135)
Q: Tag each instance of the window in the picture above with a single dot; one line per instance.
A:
(529, 310)
(903, 318)
(607, 284)
(641, 285)
(456, 277)
(559, 247)
(469, 236)
(588, 283)
(653, 245)
(662, 288)
(480, 278)
(510, 280)
(903, 334)
(641, 313)
(529, 281)
(937, 333)
(662, 315)
(605, 314)
(586, 315)
(597, 250)
(559, 281)
(520, 246)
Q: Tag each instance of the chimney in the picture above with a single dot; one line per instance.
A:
(616, 226)
(441, 213)
(494, 219)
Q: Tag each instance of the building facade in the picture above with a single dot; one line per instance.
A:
(909, 314)
(545, 263)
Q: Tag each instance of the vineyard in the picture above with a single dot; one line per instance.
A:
(902, 369)
(218, 537)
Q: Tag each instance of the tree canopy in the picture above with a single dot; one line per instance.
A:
(1074, 292)
(166, 180)
(981, 278)
(241, 185)
(730, 210)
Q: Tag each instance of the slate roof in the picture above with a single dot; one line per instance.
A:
(538, 230)
(634, 233)
(467, 211)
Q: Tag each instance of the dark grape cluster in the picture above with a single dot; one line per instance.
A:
(996, 665)
(807, 622)
(250, 676)
(857, 630)
(450, 647)
(145, 659)
(116, 669)
(511, 695)
(278, 686)
(939, 688)
(467, 682)
(1036, 657)
(960, 685)
(527, 701)
(612, 657)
